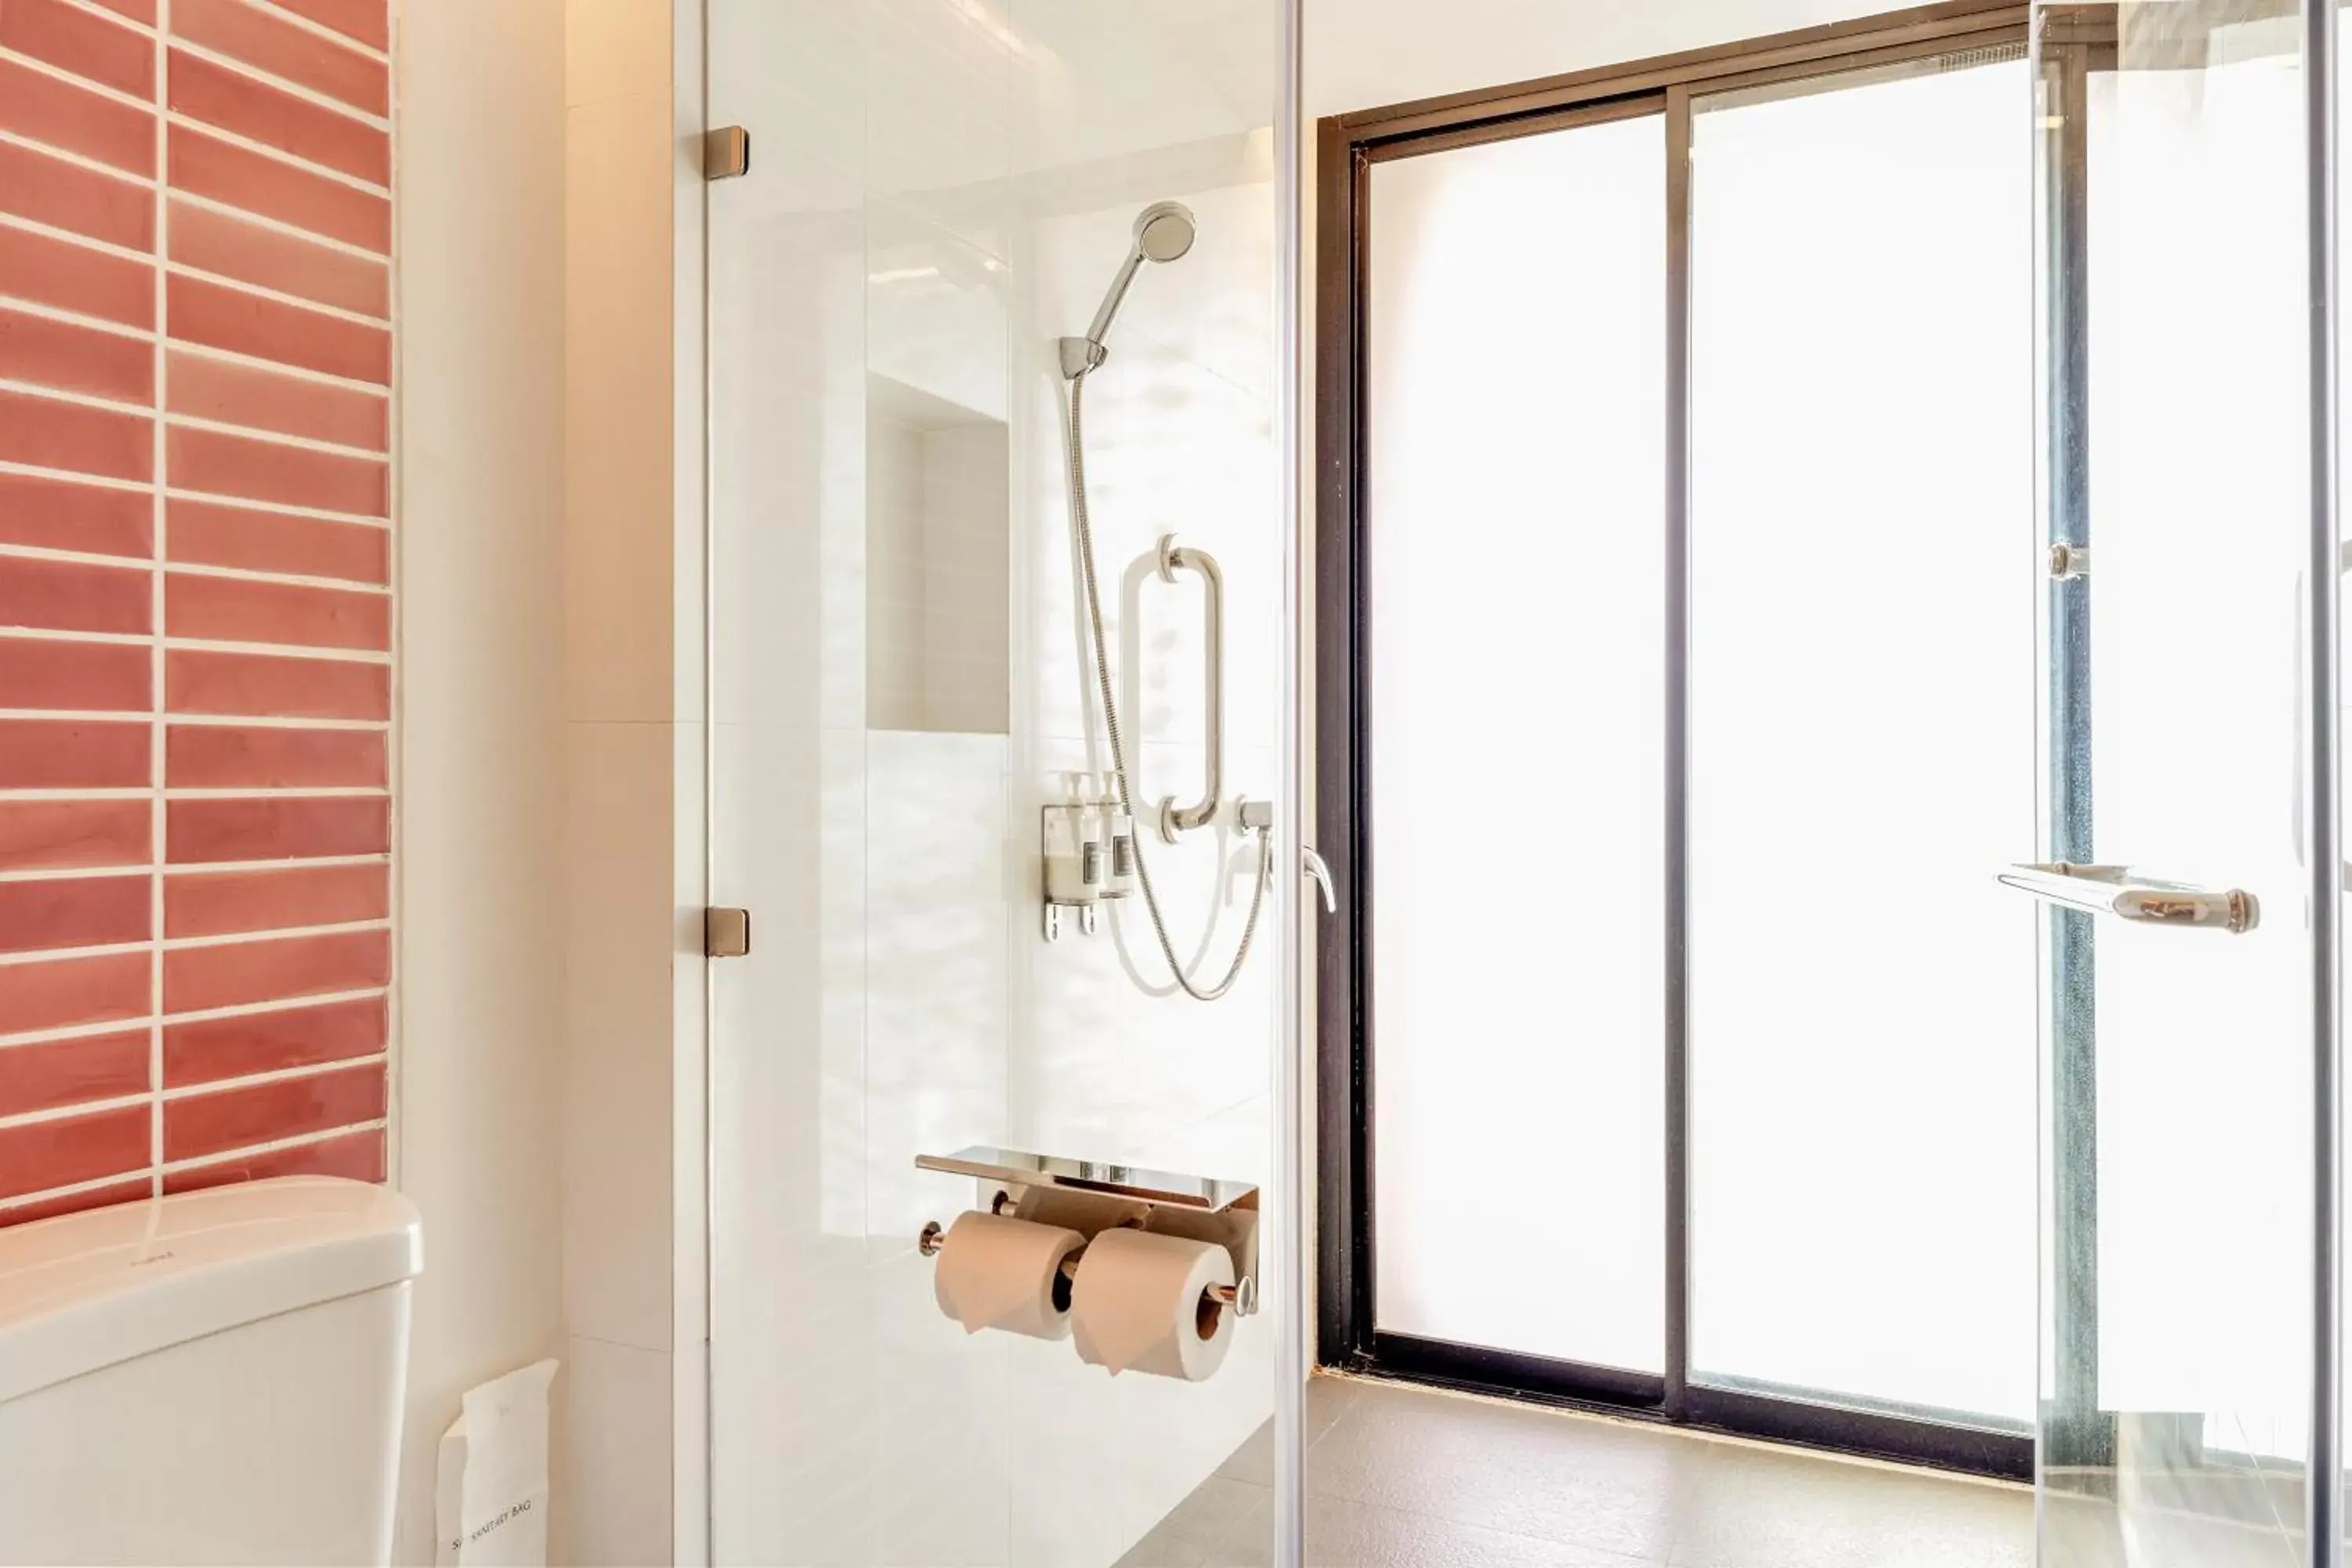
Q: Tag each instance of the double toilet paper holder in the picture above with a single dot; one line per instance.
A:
(1093, 1197)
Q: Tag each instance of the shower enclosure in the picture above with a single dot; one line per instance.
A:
(2187, 637)
(917, 658)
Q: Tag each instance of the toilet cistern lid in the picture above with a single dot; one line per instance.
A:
(87, 1291)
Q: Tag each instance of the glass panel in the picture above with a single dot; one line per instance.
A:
(938, 190)
(1517, 341)
(1864, 574)
(2176, 1326)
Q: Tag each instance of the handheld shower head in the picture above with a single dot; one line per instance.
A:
(1163, 232)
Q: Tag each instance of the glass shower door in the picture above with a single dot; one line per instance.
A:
(2175, 1034)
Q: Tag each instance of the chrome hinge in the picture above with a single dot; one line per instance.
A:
(2068, 561)
(726, 933)
(725, 152)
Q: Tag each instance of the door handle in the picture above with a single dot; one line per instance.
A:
(2120, 892)
(1313, 864)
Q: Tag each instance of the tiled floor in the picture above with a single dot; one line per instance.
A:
(1401, 1478)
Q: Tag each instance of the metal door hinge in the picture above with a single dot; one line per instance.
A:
(726, 933)
(725, 152)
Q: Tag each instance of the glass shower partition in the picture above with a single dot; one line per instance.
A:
(2178, 718)
(903, 690)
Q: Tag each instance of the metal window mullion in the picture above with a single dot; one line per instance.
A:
(2320, 784)
(1678, 751)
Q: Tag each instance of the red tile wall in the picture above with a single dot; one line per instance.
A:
(197, 355)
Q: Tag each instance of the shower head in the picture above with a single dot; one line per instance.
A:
(1163, 232)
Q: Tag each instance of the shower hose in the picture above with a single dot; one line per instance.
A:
(1084, 528)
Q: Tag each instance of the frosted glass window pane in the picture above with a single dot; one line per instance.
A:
(1863, 660)
(1515, 413)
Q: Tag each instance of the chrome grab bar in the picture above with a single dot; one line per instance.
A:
(1174, 557)
(2118, 891)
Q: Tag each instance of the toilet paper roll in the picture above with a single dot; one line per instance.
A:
(1000, 1273)
(1140, 1305)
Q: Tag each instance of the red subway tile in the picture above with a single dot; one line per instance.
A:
(198, 978)
(73, 597)
(272, 259)
(211, 1049)
(73, 41)
(369, 21)
(69, 357)
(73, 834)
(96, 678)
(232, 609)
(224, 465)
(74, 436)
(204, 533)
(262, 328)
(81, 911)
(53, 1073)
(107, 1196)
(224, 756)
(236, 176)
(260, 112)
(41, 107)
(258, 399)
(140, 11)
(60, 514)
(267, 685)
(229, 1119)
(223, 903)
(72, 1149)
(69, 276)
(66, 993)
(356, 1155)
(279, 827)
(81, 200)
(233, 28)
(74, 753)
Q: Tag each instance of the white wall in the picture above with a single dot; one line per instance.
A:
(1361, 54)
(481, 324)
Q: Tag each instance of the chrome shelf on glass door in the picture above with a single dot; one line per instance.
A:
(2124, 893)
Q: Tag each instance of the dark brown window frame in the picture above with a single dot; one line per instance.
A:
(1347, 146)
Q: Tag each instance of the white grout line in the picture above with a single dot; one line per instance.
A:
(258, 791)
(222, 720)
(89, 241)
(79, 400)
(195, 1163)
(75, 319)
(80, 160)
(198, 645)
(204, 1015)
(333, 37)
(72, 477)
(188, 1091)
(279, 438)
(286, 85)
(192, 943)
(262, 291)
(279, 508)
(158, 824)
(194, 569)
(291, 160)
(87, 84)
(185, 868)
(263, 220)
(91, 8)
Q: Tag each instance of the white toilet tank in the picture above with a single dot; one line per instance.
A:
(215, 1377)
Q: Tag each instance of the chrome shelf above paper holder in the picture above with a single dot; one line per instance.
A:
(1094, 1197)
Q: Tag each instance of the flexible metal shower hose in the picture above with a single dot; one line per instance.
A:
(1085, 526)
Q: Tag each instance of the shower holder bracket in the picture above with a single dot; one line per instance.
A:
(1091, 1197)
